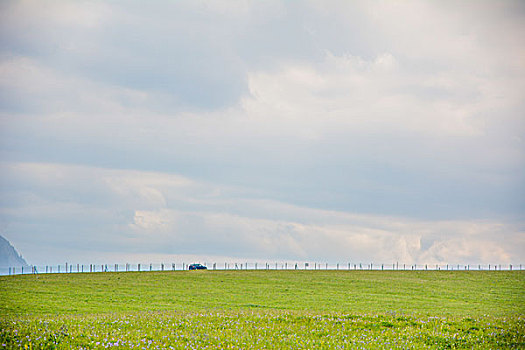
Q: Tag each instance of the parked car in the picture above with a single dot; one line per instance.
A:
(197, 267)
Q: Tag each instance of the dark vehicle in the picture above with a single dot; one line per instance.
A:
(197, 267)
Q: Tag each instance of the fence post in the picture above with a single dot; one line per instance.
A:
(138, 267)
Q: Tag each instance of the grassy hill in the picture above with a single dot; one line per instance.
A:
(424, 292)
(265, 309)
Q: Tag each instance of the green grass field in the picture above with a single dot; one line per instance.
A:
(267, 309)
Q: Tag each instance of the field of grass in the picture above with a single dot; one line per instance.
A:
(264, 310)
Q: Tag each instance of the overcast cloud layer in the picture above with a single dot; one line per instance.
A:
(317, 130)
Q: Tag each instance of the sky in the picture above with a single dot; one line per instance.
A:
(333, 131)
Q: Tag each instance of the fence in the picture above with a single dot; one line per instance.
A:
(83, 268)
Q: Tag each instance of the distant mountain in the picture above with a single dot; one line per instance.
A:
(9, 257)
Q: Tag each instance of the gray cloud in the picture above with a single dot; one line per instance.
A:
(169, 215)
(330, 107)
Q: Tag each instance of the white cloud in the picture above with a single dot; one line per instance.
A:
(238, 226)
(318, 129)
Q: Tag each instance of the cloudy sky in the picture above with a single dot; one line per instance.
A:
(331, 131)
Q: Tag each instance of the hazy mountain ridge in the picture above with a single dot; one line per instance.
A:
(9, 257)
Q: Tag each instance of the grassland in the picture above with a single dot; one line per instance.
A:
(264, 310)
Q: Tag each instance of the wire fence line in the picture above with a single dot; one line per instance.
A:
(138, 267)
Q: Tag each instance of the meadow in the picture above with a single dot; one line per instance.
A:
(265, 309)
